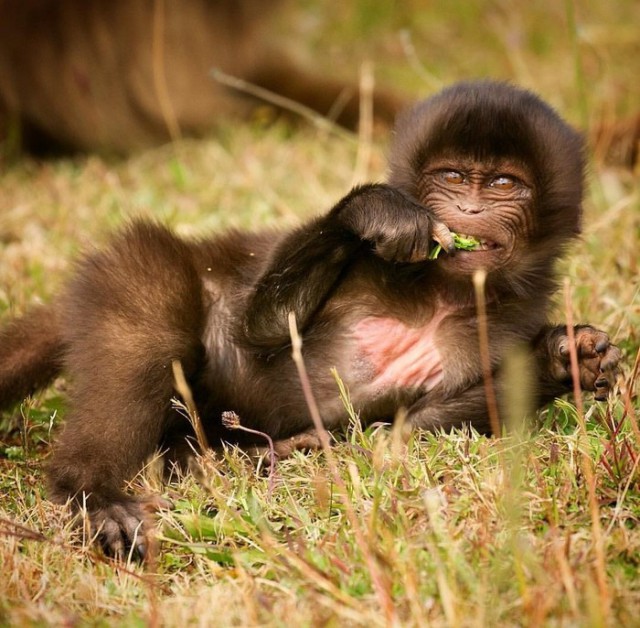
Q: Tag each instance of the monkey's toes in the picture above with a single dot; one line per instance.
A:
(123, 528)
(305, 441)
(153, 503)
(400, 249)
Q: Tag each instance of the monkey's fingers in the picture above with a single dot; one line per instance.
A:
(422, 246)
(602, 388)
(406, 240)
(598, 360)
(609, 371)
(595, 347)
(443, 236)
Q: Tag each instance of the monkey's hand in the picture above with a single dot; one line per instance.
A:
(598, 359)
(399, 228)
(123, 528)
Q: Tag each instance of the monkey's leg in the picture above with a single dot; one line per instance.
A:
(469, 407)
(31, 354)
(598, 361)
(130, 312)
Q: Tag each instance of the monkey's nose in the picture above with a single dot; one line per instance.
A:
(470, 208)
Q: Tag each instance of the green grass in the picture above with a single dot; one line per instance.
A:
(443, 529)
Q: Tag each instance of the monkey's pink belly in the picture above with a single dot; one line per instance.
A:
(399, 356)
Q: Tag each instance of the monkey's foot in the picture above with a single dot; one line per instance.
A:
(598, 360)
(123, 528)
(305, 441)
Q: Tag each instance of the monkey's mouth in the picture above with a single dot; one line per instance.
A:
(473, 252)
(464, 243)
(470, 243)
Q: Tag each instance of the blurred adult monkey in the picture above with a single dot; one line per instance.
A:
(617, 142)
(116, 75)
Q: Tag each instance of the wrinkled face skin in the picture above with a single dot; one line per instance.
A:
(492, 202)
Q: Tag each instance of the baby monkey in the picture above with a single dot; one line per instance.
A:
(486, 161)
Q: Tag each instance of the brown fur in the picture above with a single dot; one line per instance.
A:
(89, 75)
(479, 158)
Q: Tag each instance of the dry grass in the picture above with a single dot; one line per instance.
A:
(448, 529)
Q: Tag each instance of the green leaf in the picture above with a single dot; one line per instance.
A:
(466, 243)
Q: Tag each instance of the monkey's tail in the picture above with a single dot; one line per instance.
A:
(31, 354)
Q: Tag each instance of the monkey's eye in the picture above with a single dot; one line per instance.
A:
(503, 182)
(453, 177)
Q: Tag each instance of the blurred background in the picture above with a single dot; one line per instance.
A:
(116, 76)
(108, 110)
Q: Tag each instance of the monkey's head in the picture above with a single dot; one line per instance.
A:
(494, 162)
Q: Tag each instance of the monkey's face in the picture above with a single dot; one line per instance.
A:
(489, 202)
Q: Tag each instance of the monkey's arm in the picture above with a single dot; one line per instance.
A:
(597, 361)
(309, 263)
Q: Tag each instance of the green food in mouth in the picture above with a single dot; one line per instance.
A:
(464, 242)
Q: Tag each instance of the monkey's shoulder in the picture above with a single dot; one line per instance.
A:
(237, 256)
